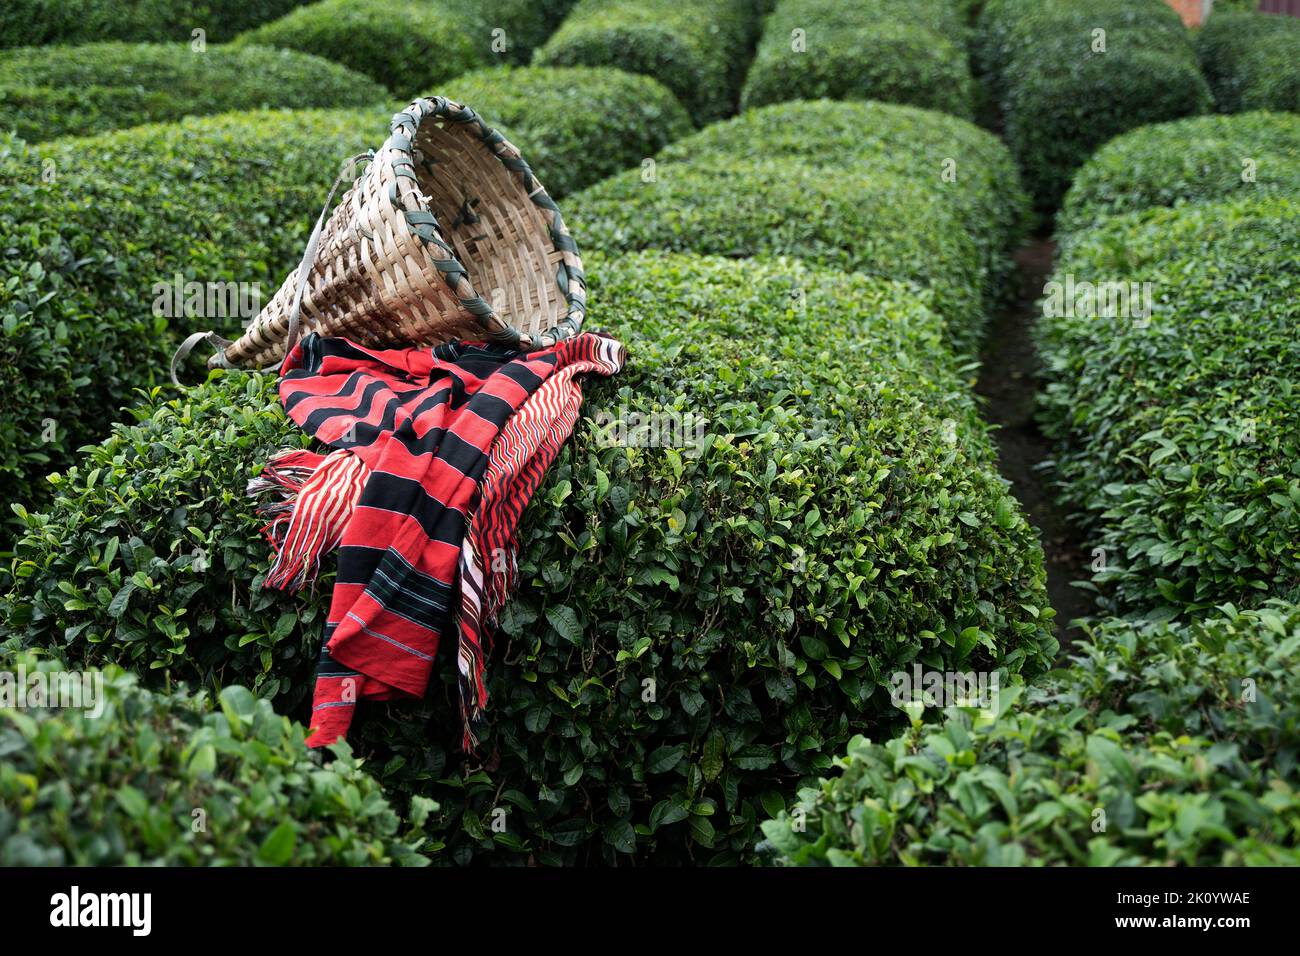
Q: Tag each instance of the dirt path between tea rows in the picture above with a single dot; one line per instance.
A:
(1008, 384)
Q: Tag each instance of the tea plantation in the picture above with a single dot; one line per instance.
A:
(807, 221)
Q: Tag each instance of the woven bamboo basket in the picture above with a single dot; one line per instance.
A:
(447, 235)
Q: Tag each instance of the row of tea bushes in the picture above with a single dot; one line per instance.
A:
(899, 51)
(696, 48)
(38, 22)
(830, 515)
(46, 92)
(408, 45)
(132, 777)
(1155, 746)
(1192, 160)
(1173, 370)
(412, 45)
(878, 188)
(1069, 76)
(576, 125)
(1250, 61)
(91, 226)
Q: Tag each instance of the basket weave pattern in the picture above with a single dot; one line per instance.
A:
(447, 235)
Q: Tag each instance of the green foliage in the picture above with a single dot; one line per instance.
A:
(1250, 61)
(1061, 97)
(576, 125)
(841, 518)
(696, 48)
(1180, 439)
(39, 22)
(983, 190)
(55, 91)
(89, 228)
(171, 575)
(1192, 160)
(526, 24)
(145, 778)
(1181, 742)
(901, 51)
(408, 45)
(854, 186)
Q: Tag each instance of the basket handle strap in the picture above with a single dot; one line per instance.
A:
(186, 347)
(220, 344)
(309, 254)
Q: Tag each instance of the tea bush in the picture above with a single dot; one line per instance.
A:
(883, 223)
(114, 85)
(579, 124)
(1180, 436)
(90, 227)
(408, 45)
(39, 22)
(696, 48)
(1061, 98)
(983, 188)
(1004, 26)
(840, 517)
(877, 205)
(156, 779)
(1250, 61)
(524, 24)
(1180, 742)
(902, 51)
(1192, 160)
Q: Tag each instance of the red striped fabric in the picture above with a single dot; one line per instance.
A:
(437, 453)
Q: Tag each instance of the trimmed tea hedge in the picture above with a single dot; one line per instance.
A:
(525, 24)
(884, 223)
(696, 48)
(408, 45)
(39, 22)
(75, 91)
(983, 188)
(1180, 439)
(91, 227)
(1250, 61)
(578, 125)
(1061, 98)
(694, 632)
(1004, 26)
(156, 779)
(1156, 746)
(1191, 160)
(902, 51)
(875, 204)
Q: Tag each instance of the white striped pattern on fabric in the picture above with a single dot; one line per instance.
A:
(324, 504)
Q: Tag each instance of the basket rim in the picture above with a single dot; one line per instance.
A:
(399, 151)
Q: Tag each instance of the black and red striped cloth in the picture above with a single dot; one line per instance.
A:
(437, 451)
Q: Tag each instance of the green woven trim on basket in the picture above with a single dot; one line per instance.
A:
(424, 225)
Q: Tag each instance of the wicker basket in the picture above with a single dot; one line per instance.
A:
(447, 235)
